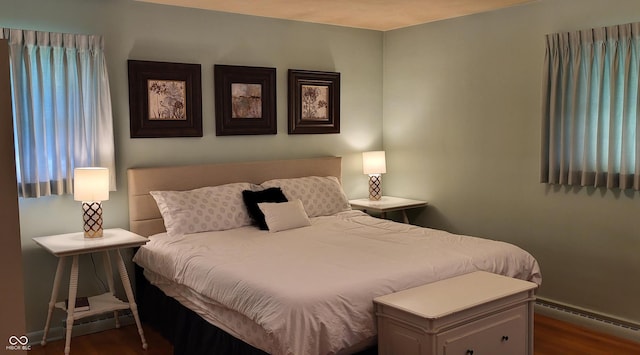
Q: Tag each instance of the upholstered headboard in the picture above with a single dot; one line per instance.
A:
(144, 216)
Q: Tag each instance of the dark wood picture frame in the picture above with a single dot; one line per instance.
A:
(165, 99)
(245, 99)
(314, 102)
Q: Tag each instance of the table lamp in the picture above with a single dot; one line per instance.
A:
(374, 165)
(91, 186)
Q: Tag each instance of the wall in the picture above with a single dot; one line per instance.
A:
(462, 122)
(12, 295)
(142, 31)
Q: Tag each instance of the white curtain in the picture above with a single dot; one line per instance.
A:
(590, 134)
(62, 109)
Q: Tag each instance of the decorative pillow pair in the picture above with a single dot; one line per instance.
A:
(216, 208)
(301, 198)
(253, 198)
(271, 210)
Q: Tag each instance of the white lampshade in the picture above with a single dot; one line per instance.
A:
(374, 163)
(91, 184)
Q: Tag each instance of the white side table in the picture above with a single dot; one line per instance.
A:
(75, 244)
(388, 204)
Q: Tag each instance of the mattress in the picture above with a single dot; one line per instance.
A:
(310, 290)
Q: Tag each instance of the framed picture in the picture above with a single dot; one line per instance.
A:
(245, 100)
(165, 99)
(314, 102)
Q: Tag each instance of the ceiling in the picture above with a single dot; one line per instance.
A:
(381, 15)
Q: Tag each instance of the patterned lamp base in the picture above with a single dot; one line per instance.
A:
(375, 187)
(92, 217)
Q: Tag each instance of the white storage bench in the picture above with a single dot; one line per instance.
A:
(474, 314)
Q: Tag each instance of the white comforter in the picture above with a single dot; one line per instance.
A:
(311, 288)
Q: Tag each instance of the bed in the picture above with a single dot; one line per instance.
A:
(214, 283)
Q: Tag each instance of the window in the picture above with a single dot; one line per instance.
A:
(61, 108)
(590, 108)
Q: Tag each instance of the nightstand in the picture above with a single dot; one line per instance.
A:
(387, 204)
(74, 244)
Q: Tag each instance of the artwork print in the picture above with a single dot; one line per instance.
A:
(246, 100)
(167, 99)
(315, 102)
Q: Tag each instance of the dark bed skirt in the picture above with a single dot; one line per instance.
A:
(186, 330)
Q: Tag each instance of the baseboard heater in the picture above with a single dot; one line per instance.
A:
(85, 326)
(588, 319)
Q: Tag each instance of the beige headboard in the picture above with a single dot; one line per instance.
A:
(144, 216)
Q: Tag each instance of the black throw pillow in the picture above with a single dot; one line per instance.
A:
(252, 198)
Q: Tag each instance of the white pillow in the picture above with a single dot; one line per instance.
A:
(211, 208)
(284, 215)
(320, 196)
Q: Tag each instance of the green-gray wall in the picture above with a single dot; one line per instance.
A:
(462, 130)
(135, 30)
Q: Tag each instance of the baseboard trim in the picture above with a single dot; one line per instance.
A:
(80, 328)
(592, 320)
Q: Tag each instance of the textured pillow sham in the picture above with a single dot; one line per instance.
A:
(212, 208)
(252, 198)
(320, 196)
(284, 215)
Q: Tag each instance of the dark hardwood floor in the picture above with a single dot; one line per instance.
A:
(122, 341)
(552, 337)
